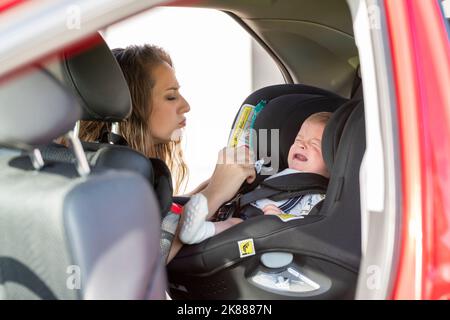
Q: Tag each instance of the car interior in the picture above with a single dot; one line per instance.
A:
(55, 215)
(322, 251)
(104, 201)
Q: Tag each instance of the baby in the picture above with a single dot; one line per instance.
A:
(305, 155)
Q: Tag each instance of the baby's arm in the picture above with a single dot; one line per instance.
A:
(271, 209)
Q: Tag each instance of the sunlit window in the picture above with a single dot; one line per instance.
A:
(217, 65)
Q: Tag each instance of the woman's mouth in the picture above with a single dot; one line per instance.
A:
(300, 157)
(182, 123)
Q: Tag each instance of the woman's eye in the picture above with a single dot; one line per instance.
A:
(171, 98)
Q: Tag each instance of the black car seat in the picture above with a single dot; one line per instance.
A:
(291, 104)
(291, 110)
(95, 77)
(67, 233)
(316, 257)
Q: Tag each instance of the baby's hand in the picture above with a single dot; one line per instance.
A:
(271, 209)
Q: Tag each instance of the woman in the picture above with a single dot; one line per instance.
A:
(154, 127)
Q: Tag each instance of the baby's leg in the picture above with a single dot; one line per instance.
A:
(194, 227)
(221, 226)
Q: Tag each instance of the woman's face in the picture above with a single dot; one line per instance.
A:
(168, 105)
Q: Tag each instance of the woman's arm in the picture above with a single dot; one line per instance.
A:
(199, 188)
(233, 167)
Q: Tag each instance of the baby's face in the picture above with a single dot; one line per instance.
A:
(305, 153)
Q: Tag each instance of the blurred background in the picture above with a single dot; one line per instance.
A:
(217, 65)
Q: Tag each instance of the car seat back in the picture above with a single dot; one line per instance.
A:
(95, 77)
(67, 233)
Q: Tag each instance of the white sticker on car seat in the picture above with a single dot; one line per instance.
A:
(246, 248)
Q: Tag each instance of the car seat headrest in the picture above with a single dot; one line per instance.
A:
(333, 132)
(274, 91)
(35, 109)
(287, 113)
(97, 79)
(280, 109)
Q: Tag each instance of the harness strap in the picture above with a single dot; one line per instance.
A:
(287, 186)
(296, 181)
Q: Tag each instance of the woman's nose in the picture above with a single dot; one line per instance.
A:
(185, 108)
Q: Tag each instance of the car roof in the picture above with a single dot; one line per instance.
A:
(33, 30)
(312, 41)
(306, 36)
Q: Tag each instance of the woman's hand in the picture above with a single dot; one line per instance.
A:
(234, 166)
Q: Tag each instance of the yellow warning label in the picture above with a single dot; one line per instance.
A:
(285, 217)
(240, 125)
(246, 248)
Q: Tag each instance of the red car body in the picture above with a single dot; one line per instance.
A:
(421, 68)
(420, 54)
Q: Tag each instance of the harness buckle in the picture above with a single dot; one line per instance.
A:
(228, 209)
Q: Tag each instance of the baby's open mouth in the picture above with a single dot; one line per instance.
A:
(300, 157)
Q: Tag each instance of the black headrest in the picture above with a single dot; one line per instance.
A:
(35, 109)
(333, 131)
(97, 79)
(271, 92)
(287, 113)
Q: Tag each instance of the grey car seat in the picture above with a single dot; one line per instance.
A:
(316, 257)
(67, 233)
(96, 79)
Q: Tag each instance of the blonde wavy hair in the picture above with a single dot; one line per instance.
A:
(138, 63)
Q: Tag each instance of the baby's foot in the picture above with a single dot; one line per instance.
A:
(194, 227)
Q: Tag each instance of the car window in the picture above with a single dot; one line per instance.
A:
(217, 65)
